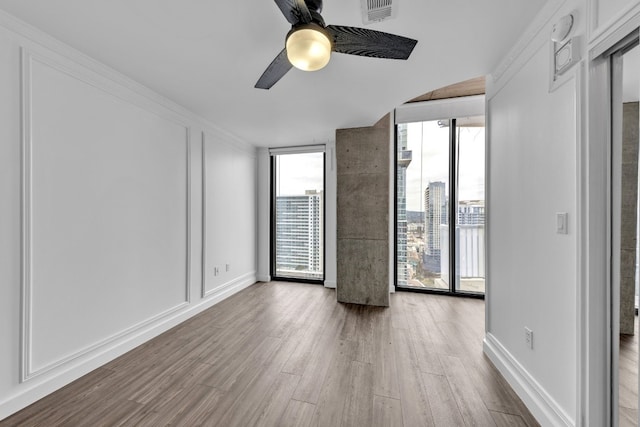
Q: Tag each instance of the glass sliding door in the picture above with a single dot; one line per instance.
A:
(440, 205)
(422, 205)
(298, 216)
(470, 232)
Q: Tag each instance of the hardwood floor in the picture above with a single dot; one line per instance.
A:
(287, 354)
(628, 374)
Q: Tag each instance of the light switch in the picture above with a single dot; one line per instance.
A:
(562, 223)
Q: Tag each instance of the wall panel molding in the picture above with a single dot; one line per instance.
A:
(27, 379)
(244, 277)
(27, 370)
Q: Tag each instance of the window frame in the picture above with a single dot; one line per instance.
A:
(273, 152)
(445, 109)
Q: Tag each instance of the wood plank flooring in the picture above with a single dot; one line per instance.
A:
(287, 354)
(628, 374)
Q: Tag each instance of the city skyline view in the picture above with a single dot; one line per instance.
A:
(430, 161)
(299, 215)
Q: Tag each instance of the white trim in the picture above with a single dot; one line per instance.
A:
(265, 279)
(487, 216)
(331, 284)
(596, 272)
(581, 149)
(330, 233)
(626, 20)
(203, 207)
(239, 282)
(27, 371)
(595, 251)
(25, 218)
(615, 36)
(189, 201)
(440, 109)
(616, 219)
(300, 149)
(546, 410)
(592, 17)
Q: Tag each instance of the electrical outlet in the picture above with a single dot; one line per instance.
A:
(562, 223)
(216, 271)
(528, 337)
(228, 267)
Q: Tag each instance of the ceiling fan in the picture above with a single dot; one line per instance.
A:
(310, 42)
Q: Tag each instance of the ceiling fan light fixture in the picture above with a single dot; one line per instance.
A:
(308, 47)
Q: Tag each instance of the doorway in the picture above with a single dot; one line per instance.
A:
(298, 212)
(625, 84)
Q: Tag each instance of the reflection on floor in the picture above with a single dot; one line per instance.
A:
(628, 402)
(473, 284)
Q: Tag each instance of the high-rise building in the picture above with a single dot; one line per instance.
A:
(404, 159)
(435, 215)
(470, 239)
(471, 212)
(299, 232)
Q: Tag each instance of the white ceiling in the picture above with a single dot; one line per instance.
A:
(207, 55)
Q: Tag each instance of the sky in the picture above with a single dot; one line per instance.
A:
(299, 172)
(429, 144)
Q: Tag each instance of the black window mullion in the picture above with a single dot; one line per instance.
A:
(453, 187)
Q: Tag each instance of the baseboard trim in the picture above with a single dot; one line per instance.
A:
(331, 284)
(59, 377)
(263, 278)
(232, 286)
(543, 407)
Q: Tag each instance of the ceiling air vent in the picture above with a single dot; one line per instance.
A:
(377, 10)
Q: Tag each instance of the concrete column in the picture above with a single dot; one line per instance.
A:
(362, 156)
(629, 214)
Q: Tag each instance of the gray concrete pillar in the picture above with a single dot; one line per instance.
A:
(630, 121)
(362, 156)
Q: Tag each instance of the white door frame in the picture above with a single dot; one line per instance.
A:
(601, 230)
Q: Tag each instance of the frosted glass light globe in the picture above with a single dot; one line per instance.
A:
(308, 49)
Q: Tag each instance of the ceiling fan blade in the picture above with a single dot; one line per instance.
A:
(295, 11)
(364, 42)
(274, 71)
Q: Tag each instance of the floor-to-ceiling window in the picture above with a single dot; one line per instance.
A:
(440, 204)
(298, 214)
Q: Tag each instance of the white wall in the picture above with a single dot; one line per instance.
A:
(549, 147)
(102, 222)
(106, 214)
(229, 215)
(532, 270)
